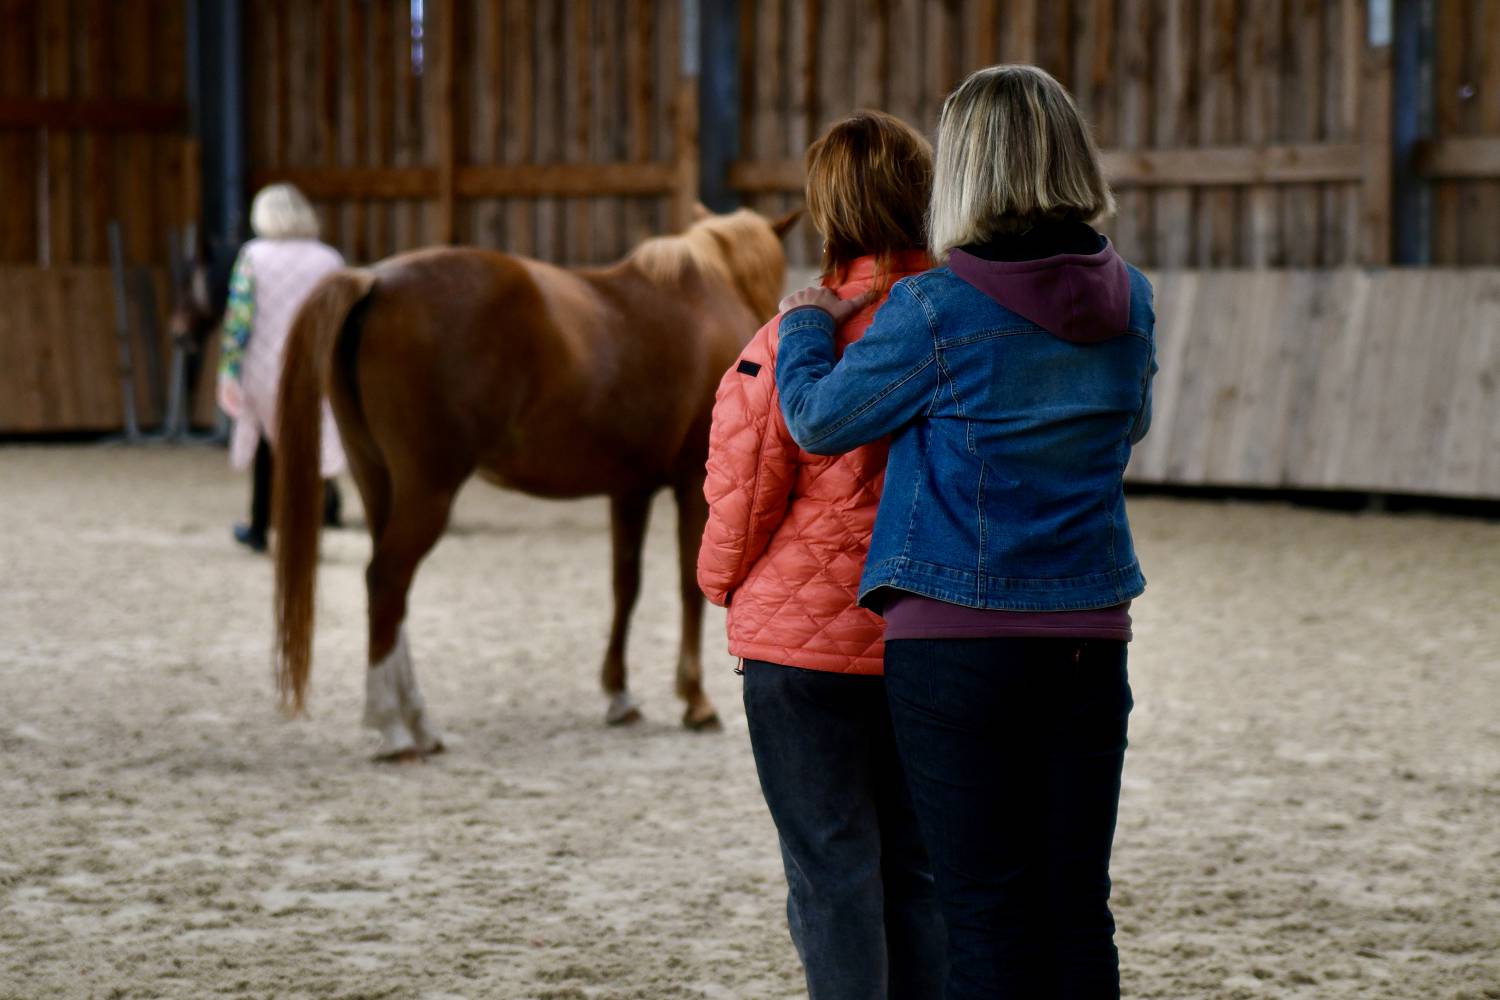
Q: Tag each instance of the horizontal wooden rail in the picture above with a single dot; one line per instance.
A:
(1216, 165)
(1460, 157)
(101, 115)
(513, 180)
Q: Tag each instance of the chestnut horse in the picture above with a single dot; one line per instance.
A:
(560, 383)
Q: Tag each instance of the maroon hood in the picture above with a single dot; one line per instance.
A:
(1079, 297)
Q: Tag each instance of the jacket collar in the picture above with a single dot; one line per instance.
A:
(861, 270)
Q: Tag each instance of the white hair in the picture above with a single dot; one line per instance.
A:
(1012, 151)
(281, 212)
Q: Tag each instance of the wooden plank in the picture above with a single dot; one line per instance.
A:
(1319, 336)
(579, 94)
(441, 46)
(1375, 193)
(684, 195)
(19, 159)
(1131, 228)
(355, 124)
(640, 84)
(1447, 80)
(869, 57)
(1466, 157)
(507, 180)
(520, 135)
(1173, 121)
(56, 229)
(1170, 168)
(549, 40)
(1176, 305)
(136, 209)
(1259, 53)
(406, 222)
(1020, 31)
(382, 153)
(1486, 247)
(1214, 208)
(94, 115)
(1302, 95)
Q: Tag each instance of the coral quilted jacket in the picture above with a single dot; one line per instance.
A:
(787, 530)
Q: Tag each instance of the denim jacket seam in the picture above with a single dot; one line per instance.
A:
(860, 410)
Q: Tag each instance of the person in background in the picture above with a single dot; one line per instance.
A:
(786, 536)
(1013, 382)
(272, 275)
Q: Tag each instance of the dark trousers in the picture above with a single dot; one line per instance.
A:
(1013, 749)
(860, 899)
(260, 494)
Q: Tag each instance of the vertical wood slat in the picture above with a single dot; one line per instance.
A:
(1375, 208)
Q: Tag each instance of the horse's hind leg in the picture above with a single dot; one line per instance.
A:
(394, 706)
(628, 515)
(692, 515)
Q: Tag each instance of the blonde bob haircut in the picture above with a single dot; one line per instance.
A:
(281, 212)
(869, 177)
(1013, 150)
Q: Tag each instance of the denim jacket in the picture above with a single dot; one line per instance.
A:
(1010, 435)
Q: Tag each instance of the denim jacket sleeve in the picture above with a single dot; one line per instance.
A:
(884, 379)
(1143, 418)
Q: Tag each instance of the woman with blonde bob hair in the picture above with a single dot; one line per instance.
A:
(786, 535)
(272, 276)
(1013, 382)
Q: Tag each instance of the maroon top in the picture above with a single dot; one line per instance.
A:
(914, 616)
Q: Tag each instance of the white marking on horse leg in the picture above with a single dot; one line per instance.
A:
(383, 701)
(622, 708)
(413, 705)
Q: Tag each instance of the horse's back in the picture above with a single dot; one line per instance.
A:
(552, 381)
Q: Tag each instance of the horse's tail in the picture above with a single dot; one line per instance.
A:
(297, 491)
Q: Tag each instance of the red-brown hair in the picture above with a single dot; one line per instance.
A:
(869, 178)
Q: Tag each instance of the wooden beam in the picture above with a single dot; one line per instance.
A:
(1219, 165)
(508, 180)
(1476, 156)
(93, 115)
(566, 180)
(1248, 165)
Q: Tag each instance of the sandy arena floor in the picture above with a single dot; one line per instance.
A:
(1311, 807)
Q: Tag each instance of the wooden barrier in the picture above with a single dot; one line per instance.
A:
(1386, 381)
(59, 360)
(561, 130)
(1239, 134)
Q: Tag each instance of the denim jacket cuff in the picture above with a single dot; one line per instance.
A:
(806, 318)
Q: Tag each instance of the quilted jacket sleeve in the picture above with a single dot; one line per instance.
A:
(752, 463)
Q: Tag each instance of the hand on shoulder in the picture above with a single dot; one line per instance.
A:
(821, 298)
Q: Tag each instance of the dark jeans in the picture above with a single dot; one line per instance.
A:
(260, 494)
(860, 901)
(1013, 749)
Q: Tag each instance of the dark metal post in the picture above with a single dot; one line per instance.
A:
(219, 116)
(719, 102)
(1412, 113)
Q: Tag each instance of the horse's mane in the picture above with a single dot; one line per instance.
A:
(740, 249)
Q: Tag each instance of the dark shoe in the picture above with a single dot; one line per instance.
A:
(249, 537)
(333, 504)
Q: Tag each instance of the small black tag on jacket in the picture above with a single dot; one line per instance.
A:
(748, 368)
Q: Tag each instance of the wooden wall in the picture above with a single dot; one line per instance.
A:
(560, 130)
(93, 129)
(1365, 380)
(1245, 133)
(1464, 159)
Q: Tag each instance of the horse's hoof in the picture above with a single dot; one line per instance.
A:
(435, 747)
(404, 755)
(629, 717)
(708, 723)
(622, 711)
